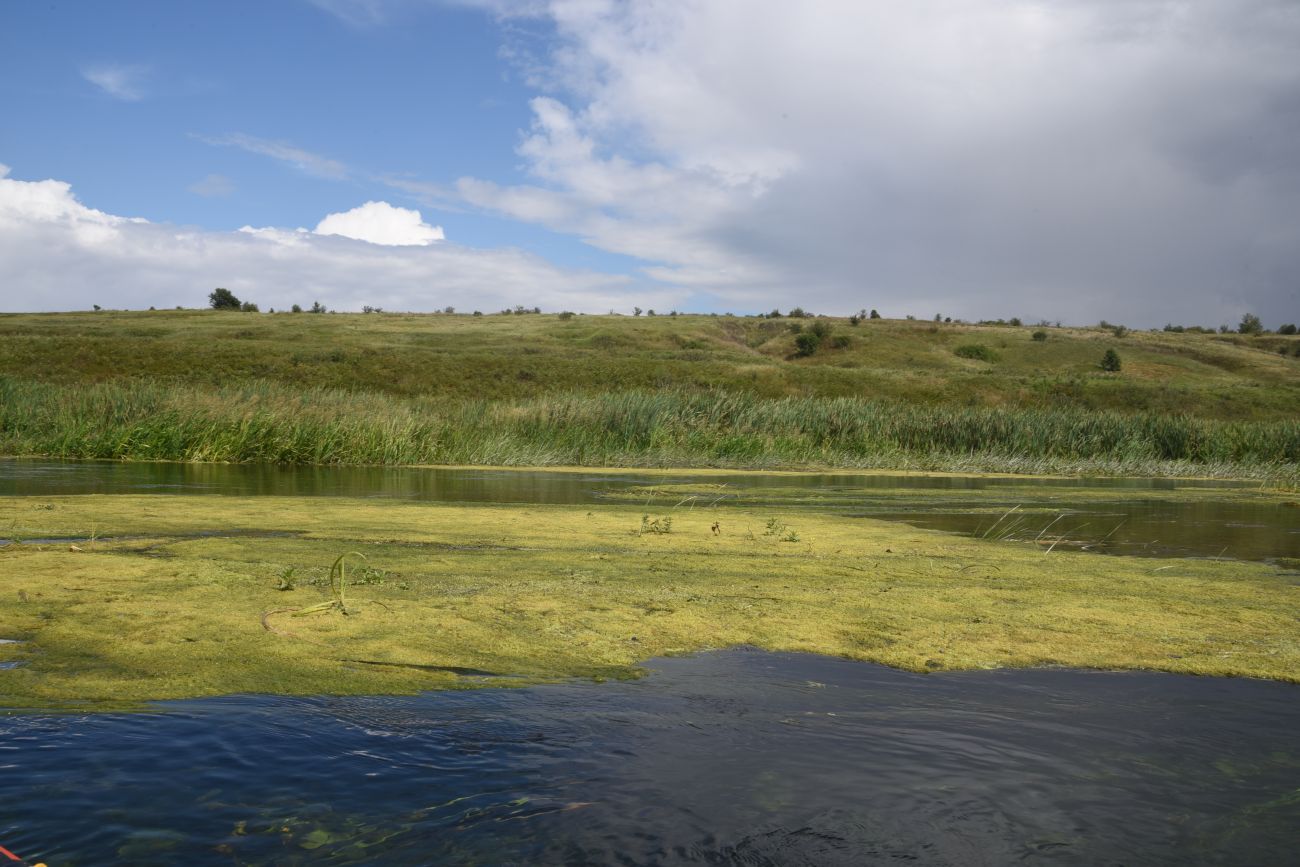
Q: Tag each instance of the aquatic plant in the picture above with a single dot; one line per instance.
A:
(338, 579)
(777, 528)
(658, 526)
(561, 589)
(287, 580)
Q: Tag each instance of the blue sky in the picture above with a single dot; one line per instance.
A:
(422, 95)
(1064, 160)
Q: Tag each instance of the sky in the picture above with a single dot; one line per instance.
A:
(1061, 160)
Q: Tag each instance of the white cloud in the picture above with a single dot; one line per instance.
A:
(1068, 159)
(56, 253)
(303, 160)
(119, 81)
(381, 223)
(213, 187)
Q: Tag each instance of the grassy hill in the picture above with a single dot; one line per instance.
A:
(1232, 397)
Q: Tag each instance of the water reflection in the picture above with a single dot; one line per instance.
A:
(27, 477)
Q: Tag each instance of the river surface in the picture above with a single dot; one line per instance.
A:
(736, 757)
(1131, 515)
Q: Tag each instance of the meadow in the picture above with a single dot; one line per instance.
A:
(549, 390)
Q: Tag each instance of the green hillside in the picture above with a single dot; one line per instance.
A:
(645, 391)
(521, 356)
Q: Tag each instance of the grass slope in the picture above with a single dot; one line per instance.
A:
(648, 391)
(1228, 377)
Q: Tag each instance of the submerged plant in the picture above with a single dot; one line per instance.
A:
(1003, 532)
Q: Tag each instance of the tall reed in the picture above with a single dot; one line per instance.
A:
(270, 422)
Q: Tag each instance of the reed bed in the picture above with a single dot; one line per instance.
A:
(270, 422)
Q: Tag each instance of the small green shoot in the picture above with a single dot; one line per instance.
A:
(338, 587)
(780, 530)
(287, 579)
(661, 526)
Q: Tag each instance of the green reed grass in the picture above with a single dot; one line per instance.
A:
(269, 422)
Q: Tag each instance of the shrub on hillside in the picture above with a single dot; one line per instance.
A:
(1110, 361)
(976, 351)
(1286, 329)
(1040, 336)
(806, 343)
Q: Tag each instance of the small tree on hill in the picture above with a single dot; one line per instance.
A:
(1110, 361)
(874, 314)
(223, 299)
(1250, 324)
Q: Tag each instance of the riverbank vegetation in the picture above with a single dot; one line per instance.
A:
(275, 423)
(646, 391)
(120, 599)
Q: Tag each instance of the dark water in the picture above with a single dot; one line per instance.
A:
(1233, 530)
(26, 477)
(1128, 523)
(737, 757)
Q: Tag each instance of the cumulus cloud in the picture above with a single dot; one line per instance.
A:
(63, 254)
(381, 223)
(119, 81)
(1071, 159)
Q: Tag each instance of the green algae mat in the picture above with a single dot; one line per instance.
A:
(115, 600)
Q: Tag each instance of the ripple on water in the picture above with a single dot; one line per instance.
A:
(737, 757)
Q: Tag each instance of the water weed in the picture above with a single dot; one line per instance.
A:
(562, 591)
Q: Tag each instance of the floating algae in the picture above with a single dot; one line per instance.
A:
(540, 593)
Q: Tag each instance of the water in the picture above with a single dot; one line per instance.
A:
(736, 757)
(1129, 519)
(36, 477)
